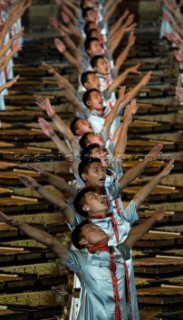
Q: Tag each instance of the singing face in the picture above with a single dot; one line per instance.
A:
(92, 235)
(102, 66)
(95, 138)
(95, 175)
(83, 126)
(95, 203)
(91, 15)
(95, 101)
(92, 82)
(95, 48)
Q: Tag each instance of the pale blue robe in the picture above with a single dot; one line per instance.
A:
(97, 300)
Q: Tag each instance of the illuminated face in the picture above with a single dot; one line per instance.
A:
(95, 102)
(95, 48)
(95, 138)
(95, 176)
(95, 203)
(92, 235)
(92, 82)
(83, 126)
(102, 66)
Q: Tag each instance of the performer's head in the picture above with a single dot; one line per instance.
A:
(93, 47)
(90, 80)
(90, 138)
(93, 100)
(100, 64)
(89, 14)
(89, 203)
(88, 234)
(80, 126)
(92, 172)
(94, 150)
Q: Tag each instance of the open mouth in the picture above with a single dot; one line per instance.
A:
(102, 180)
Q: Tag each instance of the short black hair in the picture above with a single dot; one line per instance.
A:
(84, 76)
(76, 234)
(86, 95)
(95, 59)
(85, 165)
(87, 26)
(88, 41)
(73, 125)
(84, 140)
(86, 152)
(79, 201)
(89, 33)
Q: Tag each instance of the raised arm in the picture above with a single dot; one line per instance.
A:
(38, 235)
(61, 146)
(7, 57)
(123, 55)
(65, 209)
(119, 79)
(120, 146)
(114, 27)
(112, 114)
(133, 92)
(8, 84)
(138, 231)
(9, 43)
(70, 57)
(110, 10)
(44, 104)
(56, 181)
(144, 192)
(63, 81)
(135, 171)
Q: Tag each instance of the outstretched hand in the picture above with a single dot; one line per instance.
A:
(8, 219)
(167, 169)
(48, 131)
(154, 152)
(125, 14)
(12, 81)
(60, 45)
(178, 55)
(134, 69)
(129, 20)
(44, 104)
(38, 170)
(130, 110)
(49, 68)
(131, 39)
(29, 182)
(146, 78)
(160, 212)
(131, 27)
(65, 18)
